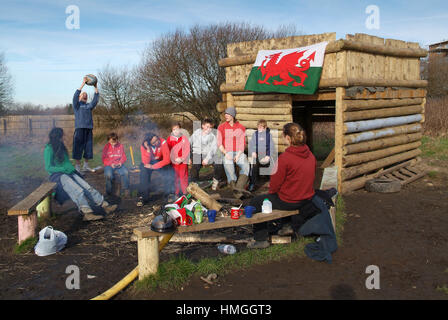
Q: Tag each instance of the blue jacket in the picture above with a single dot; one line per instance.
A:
(83, 111)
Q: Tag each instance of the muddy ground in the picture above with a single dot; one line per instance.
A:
(404, 234)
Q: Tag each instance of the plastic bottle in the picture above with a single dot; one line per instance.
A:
(227, 248)
(267, 206)
(198, 212)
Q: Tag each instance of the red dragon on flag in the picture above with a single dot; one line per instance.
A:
(294, 70)
(286, 66)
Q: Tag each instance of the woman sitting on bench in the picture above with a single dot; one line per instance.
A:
(69, 183)
(291, 185)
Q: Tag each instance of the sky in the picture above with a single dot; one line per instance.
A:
(47, 55)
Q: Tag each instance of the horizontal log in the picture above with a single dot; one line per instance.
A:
(262, 97)
(262, 104)
(358, 158)
(359, 183)
(381, 143)
(271, 124)
(385, 93)
(221, 106)
(319, 96)
(356, 171)
(354, 105)
(367, 125)
(263, 111)
(342, 82)
(380, 133)
(336, 46)
(382, 113)
(267, 117)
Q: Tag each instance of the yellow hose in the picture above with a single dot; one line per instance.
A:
(131, 276)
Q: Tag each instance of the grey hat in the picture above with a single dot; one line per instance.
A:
(231, 111)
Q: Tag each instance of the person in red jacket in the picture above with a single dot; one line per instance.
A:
(155, 156)
(114, 158)
(180, 152)
(290, 185)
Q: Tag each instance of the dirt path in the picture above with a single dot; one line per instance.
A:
(403, 234)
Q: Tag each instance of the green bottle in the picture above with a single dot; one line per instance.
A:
(198, 212)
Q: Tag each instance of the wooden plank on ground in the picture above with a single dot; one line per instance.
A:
(28, 204)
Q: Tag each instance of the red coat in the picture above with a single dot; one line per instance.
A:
(160, 154)
(293, 181)
(183, 146)
(113, 154)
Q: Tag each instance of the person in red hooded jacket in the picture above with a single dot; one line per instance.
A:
(291, 184)
(155, 156)
(114, 159)
(180, 153)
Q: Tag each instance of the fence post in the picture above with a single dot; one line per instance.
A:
(30, 126)
(54, 123)
(4, 126)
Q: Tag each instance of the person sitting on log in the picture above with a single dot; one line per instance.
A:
(70, 185)
(290, 187)
(204, 152)
(155, 155)
(261, 149)
(114, 158)
(180, 151)
(231, 142)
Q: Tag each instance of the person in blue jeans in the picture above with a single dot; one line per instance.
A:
(114, 159)
(70, 185)
(83, 135)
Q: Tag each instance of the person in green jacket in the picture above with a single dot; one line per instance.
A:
(70, 185)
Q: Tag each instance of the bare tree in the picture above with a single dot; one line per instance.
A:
(6, 88)
(182, 67)
(118, 94)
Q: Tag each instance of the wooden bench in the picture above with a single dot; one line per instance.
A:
(39, 199)
(148, 241)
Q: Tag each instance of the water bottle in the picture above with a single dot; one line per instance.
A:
(198, 214)
(227, 248)
(267, 206)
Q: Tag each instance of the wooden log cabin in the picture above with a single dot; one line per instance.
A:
(370, 87)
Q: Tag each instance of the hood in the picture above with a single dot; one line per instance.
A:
(299, 151)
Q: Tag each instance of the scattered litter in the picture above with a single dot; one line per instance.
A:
(50, 242)
(209, 279)
(90, 276)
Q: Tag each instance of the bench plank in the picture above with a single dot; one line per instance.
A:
(220, 222)
(28, 204)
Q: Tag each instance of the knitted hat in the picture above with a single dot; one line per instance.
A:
(231, 111)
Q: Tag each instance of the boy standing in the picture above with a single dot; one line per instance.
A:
(114, 158)
(83, 136)
(179, 152)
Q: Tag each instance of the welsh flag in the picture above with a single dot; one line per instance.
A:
(294, 71)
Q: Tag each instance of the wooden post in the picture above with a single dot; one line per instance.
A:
(339, 135)
(27, 225)
(30, 125)
(148, 256)
(54, 123)
(44, 208)
(309, 126)
(4, 126)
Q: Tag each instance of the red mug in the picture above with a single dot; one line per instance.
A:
(235, 213)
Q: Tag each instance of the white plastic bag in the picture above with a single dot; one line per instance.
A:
(50, 242)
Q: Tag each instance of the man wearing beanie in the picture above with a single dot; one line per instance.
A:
(231, 142)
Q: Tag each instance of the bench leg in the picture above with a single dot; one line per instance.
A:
(148, 256)
(27, 226)
(44, 208)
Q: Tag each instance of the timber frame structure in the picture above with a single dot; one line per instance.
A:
(370, 87)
